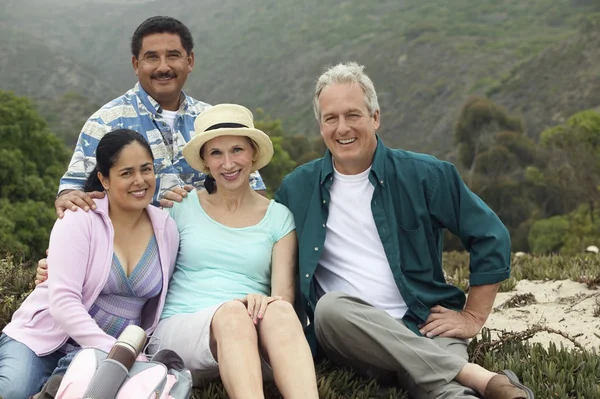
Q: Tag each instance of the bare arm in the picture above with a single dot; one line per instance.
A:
(480, 302)
(467, 323)
(285, 267)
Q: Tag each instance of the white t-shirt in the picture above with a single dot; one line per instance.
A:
(353, 259)
(169, 117)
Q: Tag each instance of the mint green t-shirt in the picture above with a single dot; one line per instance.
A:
(216, 263)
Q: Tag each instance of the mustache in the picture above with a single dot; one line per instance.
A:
(163, 75)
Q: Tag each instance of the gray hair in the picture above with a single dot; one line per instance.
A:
(349, 72)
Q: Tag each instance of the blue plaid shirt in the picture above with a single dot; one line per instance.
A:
(136, 110)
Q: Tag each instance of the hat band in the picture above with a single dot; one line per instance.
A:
(225, 125)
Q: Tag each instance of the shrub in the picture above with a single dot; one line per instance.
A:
(552, 372)
(16, 282)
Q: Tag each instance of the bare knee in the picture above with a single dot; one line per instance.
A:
(232, 320)
(280, 315)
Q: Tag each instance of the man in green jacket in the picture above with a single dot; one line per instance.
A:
(370, 223)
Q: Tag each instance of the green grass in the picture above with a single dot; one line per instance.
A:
(553, 372)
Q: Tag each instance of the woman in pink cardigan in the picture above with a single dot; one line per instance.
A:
(110, 268)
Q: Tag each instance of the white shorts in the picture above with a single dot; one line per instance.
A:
(188, 335)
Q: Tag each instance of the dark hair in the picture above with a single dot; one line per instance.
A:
(161, 25)
(107, 153)
(210, 184)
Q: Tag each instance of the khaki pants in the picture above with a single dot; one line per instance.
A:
(354, 333)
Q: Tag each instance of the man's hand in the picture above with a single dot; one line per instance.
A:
(41, 273)
(444, 322)
(176, 194)
(73, 199)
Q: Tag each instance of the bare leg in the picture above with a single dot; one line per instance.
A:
(234, 344)
(474, 376)
(282, 340)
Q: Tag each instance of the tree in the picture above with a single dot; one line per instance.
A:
(290, 151)
(566, 234)
(547, 235)
(474, 132)
(574, 158)
(496, 153)
(282, 163)
(32, 161)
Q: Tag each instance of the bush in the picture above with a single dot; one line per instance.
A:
(32, 160)
(552, 372)
(584, 269)
(16, 282)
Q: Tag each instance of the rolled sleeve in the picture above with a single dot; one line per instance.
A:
(455, 207)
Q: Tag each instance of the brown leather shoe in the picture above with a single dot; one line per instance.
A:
(506, 385)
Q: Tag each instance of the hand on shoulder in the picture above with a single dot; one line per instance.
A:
(75, 199)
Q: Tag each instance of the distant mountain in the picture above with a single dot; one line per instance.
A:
(552, 86)
(30, 67)
(425, 57)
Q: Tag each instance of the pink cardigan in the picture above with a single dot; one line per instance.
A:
(79, 259)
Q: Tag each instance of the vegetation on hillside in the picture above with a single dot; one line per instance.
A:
(504, 89)
(546, 193)
(552, 372)
(32, 161)
(425, 57)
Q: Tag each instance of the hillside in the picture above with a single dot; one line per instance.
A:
(31, 68)
(549, 88)
(425, 57)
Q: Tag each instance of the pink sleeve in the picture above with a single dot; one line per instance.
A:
(68, 261)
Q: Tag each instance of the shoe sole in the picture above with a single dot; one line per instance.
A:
(512, 377)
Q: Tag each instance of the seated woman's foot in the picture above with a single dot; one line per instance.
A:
(506, 385)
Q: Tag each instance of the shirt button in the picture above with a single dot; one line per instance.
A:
(381, 182)
(324, 201)
(323, 225)
(307, 275)
(316, 248)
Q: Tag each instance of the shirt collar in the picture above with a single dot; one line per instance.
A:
(377, 167)
(151, 104)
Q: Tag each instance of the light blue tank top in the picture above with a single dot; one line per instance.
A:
(217, 263)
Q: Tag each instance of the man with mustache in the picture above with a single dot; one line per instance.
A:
(156, 107)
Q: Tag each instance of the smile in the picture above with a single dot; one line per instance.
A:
(347, 141)
(231, 176)
(139, 194)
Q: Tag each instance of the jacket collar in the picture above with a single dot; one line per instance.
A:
(157, 215)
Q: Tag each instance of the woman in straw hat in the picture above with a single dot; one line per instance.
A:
(229, 308)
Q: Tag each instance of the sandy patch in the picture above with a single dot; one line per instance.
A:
(564, 305)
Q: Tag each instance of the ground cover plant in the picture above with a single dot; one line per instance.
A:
(552, 372)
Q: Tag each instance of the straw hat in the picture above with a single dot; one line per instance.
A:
(226, 120)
